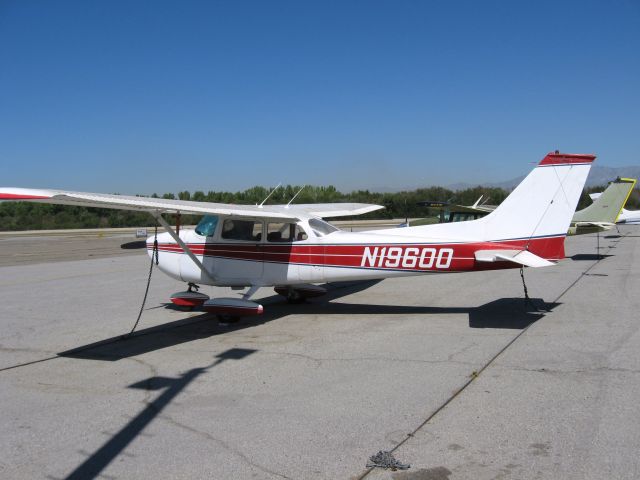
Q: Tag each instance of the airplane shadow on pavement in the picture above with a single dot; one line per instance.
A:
(95, 463)
(589, 256)
(505, 313)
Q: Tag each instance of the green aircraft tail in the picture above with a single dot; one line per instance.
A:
(607, 207)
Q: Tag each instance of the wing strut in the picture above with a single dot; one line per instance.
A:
(158, 216)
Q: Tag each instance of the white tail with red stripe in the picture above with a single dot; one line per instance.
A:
(542, 205)
(544, 202)
(536, 215)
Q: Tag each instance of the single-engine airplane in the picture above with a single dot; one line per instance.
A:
(291, 248)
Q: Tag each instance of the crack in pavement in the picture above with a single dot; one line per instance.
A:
(462, 350)
(568, 372)
(222, 443)
(147, 402)
(320, 360)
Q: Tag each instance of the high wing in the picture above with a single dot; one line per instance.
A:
(161, 205)
(329, 209)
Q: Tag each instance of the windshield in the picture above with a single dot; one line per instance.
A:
(207, 226)
(321, 228)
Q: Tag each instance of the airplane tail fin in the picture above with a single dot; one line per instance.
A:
(608, 205)
(539, 211)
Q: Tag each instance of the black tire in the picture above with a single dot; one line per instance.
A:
(293, 296)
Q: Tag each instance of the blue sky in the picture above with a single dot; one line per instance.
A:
(142, 97)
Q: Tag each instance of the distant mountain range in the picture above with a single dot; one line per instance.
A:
(597, 176)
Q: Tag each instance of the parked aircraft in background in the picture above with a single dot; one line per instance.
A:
(291, 248)
(602, 214)
(450, 212)
(627, 217)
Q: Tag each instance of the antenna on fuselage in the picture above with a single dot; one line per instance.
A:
(294, 197)
(270, 193)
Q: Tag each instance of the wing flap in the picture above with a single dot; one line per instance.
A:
(335, 209)
(521, 257)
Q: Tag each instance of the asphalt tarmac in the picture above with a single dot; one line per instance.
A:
(455, 374)
(26, 250)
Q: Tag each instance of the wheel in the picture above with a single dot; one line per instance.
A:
(293, 296)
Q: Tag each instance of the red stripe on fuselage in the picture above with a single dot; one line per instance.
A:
(408, 257)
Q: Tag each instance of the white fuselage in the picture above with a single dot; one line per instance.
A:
(336, 256)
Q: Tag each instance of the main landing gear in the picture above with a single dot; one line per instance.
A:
(228, 310)
(299, 293)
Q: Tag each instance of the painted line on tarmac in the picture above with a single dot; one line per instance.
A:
(66, 277)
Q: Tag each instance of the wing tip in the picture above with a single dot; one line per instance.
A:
(21, 196)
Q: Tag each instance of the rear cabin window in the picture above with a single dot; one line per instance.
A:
(207, 226)
(243, 230)
(285, 232)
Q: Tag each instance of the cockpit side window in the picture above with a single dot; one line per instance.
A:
(207, 226)
(321, 228)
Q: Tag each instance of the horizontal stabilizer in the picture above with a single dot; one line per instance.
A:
(522, 257)
(603, 225)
